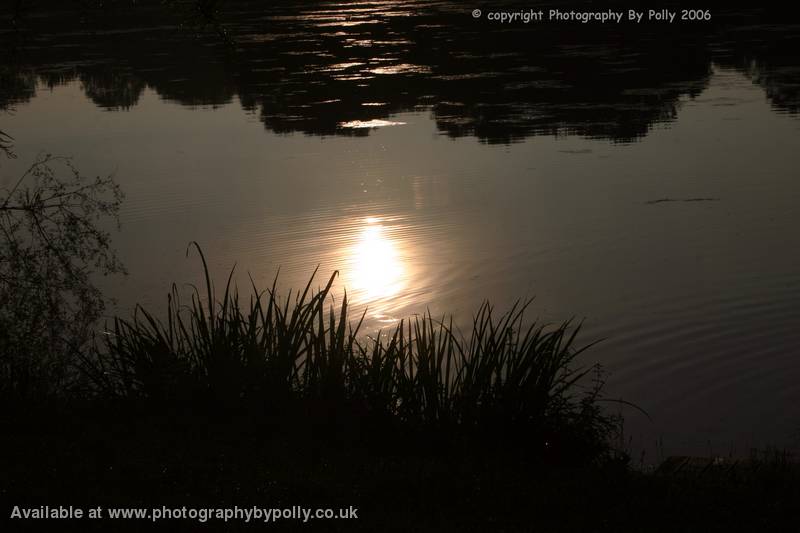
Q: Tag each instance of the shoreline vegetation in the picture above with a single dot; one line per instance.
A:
(254, 400)
(304, 351)
(260, 400)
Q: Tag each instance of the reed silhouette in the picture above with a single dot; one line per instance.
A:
(229, 400)
(513, 381)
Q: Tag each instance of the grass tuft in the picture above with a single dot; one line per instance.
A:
(504, 378)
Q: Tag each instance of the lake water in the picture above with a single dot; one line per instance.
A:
(644, 180)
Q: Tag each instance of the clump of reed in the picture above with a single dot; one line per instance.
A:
(504, 377)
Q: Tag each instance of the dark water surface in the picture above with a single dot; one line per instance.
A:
(641, 177)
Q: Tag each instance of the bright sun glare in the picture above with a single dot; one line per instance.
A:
(377, 269)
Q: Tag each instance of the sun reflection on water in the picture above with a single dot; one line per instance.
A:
(377, 270)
